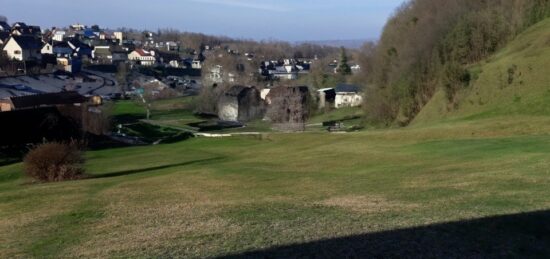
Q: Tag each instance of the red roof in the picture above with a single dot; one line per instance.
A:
(143, 53)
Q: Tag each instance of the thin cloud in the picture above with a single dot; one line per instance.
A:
(245, 4)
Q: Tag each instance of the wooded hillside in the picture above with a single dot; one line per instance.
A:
(429, 44)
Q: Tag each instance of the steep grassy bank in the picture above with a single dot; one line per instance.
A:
(515, 81)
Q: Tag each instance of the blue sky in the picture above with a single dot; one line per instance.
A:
(291, 20)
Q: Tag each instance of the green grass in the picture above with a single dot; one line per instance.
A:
(213, 197)
(348, 114)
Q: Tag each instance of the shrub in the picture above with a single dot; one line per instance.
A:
(55, 161)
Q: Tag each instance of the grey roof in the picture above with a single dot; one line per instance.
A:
(103, 51)
(4, 26)
(19, 24)
(62, 44)
(4, 35)
(347, 88)
(28, 42)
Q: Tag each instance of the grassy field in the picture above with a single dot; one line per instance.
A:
(319, 193)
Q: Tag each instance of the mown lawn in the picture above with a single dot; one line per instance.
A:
(218, 197)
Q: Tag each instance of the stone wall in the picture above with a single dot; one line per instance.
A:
(289, 107)
(241, 103)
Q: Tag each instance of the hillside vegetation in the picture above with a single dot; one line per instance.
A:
(428, 47)
(514, 81)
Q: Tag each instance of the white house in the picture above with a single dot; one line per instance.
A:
(343, 95)
(143, 57)
(197, 64)
(59, 35)
(47, 49)
(347, 96)
(24, 48)
(119, 36)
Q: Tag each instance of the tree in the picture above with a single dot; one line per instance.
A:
(121, 76)
(343, 67)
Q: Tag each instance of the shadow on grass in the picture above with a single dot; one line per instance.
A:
(149, 169)
(511, 236)
(128, 118)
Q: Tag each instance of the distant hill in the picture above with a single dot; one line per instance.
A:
(514, 81)
(350, 44)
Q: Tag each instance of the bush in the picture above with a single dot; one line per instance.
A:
(55, 161)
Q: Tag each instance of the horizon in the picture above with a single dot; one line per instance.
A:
(347, 20)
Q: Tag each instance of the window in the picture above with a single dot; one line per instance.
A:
(17, 52)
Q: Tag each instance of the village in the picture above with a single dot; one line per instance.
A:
(84, 69)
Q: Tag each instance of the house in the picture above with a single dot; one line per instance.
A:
(142, 57)
(59, 35)
(356, 68)
(24, 48)
(172, 46)
(20, 28)
(343, 95)
(62, 50)
(119, 56)
(47, 49)
(286, 72)
(103, 54)
(41, 100)
(4, 26)
(241, 103)
(326, 97)
(118, 36)
(288, 107)
(196, 64)
(78, 27)
(169, 58)
(80, 49)
(287, 69)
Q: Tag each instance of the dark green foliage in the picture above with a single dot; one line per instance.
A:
(343, 68)
(511, 74)
(455, 78)
(427, 45)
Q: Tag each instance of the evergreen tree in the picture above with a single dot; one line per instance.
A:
(343, 67)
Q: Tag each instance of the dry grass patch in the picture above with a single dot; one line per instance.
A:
(135, 224)
(367, 204)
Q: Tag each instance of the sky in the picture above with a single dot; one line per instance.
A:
(288, 20)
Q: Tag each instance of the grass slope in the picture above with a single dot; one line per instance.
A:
(515, 81)
(214, 197)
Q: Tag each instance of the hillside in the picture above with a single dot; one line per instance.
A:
(514, 81)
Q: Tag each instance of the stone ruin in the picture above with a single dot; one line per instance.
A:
(288, 107)
(241, 103)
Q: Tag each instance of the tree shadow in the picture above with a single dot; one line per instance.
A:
(149, 169)
(510, 236)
